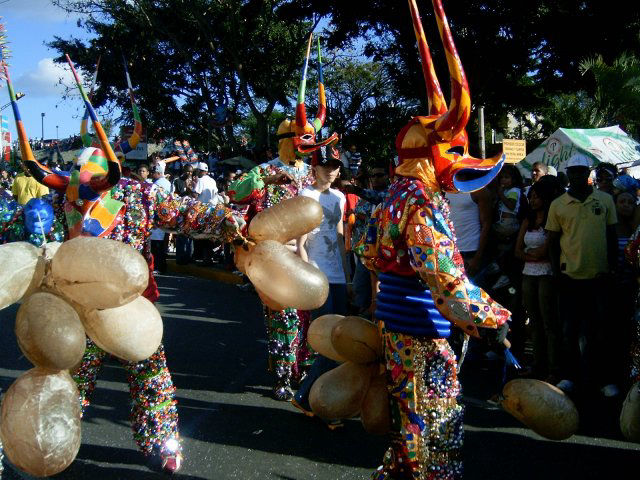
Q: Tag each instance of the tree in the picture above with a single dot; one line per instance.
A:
(188, 57)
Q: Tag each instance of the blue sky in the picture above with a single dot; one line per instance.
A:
(29, 24)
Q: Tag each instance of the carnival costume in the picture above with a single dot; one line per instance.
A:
(35, 222)
(410, 242)
(99, 203)
(287, 329)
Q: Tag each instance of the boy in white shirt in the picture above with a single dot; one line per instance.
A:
(324, 247)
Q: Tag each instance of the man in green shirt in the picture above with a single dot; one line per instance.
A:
(582, 245)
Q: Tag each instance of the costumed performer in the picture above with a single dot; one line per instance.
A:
(98, 202)
(267, 185)
(34, 222)
(410, 243)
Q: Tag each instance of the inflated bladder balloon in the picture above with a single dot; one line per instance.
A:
(242, 252)
(543, 408)
(270, 302)
(375, 412)
(49, 332)
(285, 277)
(630, 415)
(287, 220)
(319, 336)
(20, 269)
(357, 340)
(132, 332)
(40, 426)
(338, 393)
(98, 272)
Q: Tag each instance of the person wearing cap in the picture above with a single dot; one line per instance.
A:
(205, 188)
(159, 238)
(605, 174)
(324, 248)
(582, 245)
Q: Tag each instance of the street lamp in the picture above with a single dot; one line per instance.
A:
(19, 95)
(42, 117)
(57, 132)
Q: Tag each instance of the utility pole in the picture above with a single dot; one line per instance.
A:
(57, 138)
(42, 118)
(481, 131)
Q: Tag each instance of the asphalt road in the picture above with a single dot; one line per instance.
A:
(232, 429)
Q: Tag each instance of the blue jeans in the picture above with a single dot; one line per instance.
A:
(361, 286)
(184, 249)
(336, 303)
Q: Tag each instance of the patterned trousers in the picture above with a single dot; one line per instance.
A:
(154, 416)
(289, 353)
(426, 421)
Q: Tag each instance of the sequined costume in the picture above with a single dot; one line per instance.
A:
(289, 354)
(632, 254)
(286, 330)
(98, 202)
(15, 226)
(410, 243)
(154, 416)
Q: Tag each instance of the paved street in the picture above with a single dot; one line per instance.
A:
(232, 429)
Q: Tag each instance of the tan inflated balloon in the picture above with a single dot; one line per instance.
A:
(375, 412)
(98, 272)
(41, 422)
(20, 270)
(339, 392)
(287, 220)
(357, 340)
(319, 336)
(132, 332)
(545, 409)
(49, 332)
(270, 302)
(285, 277)
(630, 415)
(241, 254)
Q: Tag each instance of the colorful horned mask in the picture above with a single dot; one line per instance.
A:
(440, 138)
(298, 138)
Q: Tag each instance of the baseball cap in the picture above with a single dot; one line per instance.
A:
(578, 160)
(158, 168)
(203, 166)
(325, 156)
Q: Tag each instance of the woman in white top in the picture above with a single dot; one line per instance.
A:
(538, 286)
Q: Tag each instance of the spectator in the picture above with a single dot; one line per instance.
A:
(159, 238)
(25, 187)
(143, 173)
(605, 174)
(324, 247)
(509, 200)
(5, 179)
(538, 170)
(583, 246)
(538, 286)
(205, 188)
(184, 243)
(206, 191)
(472, 215)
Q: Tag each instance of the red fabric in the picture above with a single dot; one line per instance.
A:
(352, 200)
(151, 293)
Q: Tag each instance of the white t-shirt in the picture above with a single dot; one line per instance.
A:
(207, 189)
(322, 242)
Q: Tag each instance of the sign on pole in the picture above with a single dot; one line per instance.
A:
(514, 149)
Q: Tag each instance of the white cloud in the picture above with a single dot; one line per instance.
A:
(37, 10)
(45, 80)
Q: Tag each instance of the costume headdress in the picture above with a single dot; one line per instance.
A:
(123, 146)
(298, 137)
(440, 138)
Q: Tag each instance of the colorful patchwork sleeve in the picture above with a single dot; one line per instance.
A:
(248, 187)
(435, 259)
(196, 219)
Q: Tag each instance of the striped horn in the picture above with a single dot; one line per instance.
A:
(125, 146)
(437, 103)
(301, 109)
(84, 124)
(321, 116)
(455, 119)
